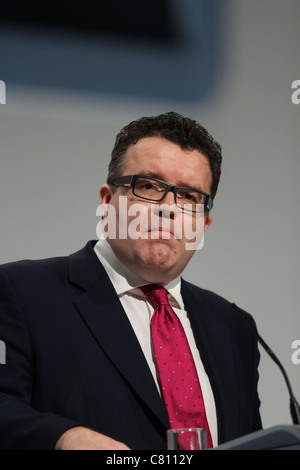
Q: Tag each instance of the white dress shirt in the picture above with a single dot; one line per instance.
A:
(139, 312)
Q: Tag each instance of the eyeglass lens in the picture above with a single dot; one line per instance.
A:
(155, 191)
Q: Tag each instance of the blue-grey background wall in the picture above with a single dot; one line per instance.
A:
(230, 65)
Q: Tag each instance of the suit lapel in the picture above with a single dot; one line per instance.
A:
(104, 315)
(211, 336)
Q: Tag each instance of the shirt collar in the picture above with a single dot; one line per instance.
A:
(124, 280)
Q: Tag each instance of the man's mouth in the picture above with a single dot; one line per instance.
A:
(161, 233)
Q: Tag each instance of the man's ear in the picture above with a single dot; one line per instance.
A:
(105, 194)
(208, 221)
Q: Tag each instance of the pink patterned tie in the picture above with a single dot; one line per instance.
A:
(179, 381)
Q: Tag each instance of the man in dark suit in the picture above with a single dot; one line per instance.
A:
(80, 370)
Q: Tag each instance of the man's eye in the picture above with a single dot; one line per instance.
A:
(148, 186)
(188, 196)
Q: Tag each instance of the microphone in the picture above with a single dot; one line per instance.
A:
(294, 405)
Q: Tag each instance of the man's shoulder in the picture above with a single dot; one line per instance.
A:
(31, 264)
(202, 294)
(209, 302)
(29, 267)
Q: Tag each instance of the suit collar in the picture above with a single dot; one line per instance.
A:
(84, 267)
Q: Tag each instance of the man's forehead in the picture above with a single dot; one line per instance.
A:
(192, 171)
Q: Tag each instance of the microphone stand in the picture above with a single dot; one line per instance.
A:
(294, 405)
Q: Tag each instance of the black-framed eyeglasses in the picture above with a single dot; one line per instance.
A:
(153, 189)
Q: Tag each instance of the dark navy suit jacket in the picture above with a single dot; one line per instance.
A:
(72, 358)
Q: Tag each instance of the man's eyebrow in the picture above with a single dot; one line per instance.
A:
(151, 174)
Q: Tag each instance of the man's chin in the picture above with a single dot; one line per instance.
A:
(160, 254)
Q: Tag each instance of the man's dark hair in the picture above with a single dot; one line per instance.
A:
(183, 131)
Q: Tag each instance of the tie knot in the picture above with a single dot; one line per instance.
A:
(157, 294)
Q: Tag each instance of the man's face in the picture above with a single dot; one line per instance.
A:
(159, 254)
